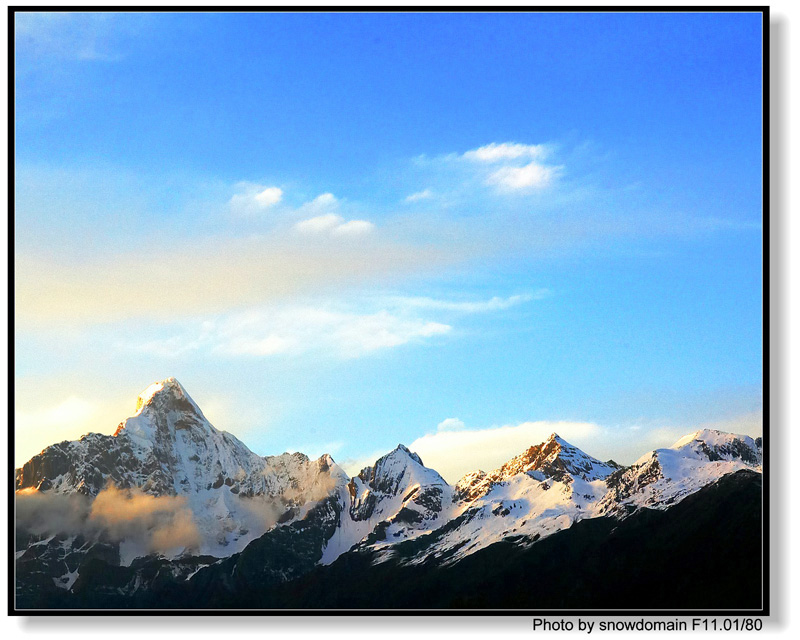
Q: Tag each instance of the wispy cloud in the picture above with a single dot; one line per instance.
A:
(335, 225)
(301, 329)
(493, 304)
(205, 276)
(319, 224)
(334, 328)
(495, 152)
(455, 452)
(419, 195)
(450, 424)
(526, 178)
(84, 36)
(494, 170)
(252, 198)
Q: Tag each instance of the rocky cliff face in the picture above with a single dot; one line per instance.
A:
(663, 477)
(170, 498)
(168, 448)
(555, 458)
(553, 485)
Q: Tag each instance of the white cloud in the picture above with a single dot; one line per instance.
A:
(456, 453)
(419, 195)
(317, 224)
(269, 196)
(508, 167)
(450, 424)
(340, 329)
(353, 228)
(252, 198)
(304, 329)
(327, 221)
(295, 330)
(494, 304)
(531, 176)
(325, 202)
(335, 225)
(495, 152)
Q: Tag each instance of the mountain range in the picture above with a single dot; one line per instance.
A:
(170, 512)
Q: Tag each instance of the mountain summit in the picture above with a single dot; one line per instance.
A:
(165, 394)
(169, 487)
(395, 499)
(554, 458)
(662, 477)
(169, 448)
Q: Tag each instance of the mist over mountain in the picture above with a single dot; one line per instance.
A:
(172, 512)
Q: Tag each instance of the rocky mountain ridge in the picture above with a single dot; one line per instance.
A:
(169, 448)
(235, 519)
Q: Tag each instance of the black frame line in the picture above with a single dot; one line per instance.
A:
(765, 51)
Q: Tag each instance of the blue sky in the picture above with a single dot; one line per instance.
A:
(345, 231)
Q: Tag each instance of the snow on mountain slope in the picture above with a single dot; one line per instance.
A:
(662, 477)
(185, 476)
(554, 458)
(552, 485)
(543, 490)
(396, 499)
(169, 448)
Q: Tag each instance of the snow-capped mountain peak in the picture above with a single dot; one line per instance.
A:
(403, 449)
(163, 409)
(167, 393)
(397, 470)
(393, 474)
(168, 453)
(169, 448)
(664, 476)
(554, 458)
(395, 499)
(719, 445)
